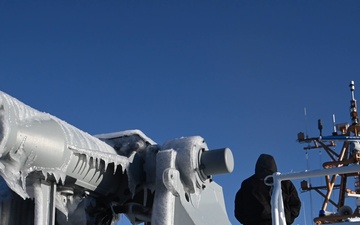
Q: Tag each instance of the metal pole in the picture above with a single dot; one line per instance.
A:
(278, 213)
(44, 203)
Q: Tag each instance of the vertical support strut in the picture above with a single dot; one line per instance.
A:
(164, 202)
(44, 203)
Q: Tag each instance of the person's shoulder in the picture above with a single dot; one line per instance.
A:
(287, 183)
(248, 180)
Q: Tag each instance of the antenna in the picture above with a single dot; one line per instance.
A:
(306, 126)
(353, 107)
(320, 126)
(334, 125)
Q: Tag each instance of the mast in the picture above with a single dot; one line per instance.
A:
(349, 155)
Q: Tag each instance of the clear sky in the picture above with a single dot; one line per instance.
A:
(237, 73)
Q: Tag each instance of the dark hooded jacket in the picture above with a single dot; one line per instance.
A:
(252, 202)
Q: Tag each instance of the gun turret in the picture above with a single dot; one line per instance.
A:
(69, 172)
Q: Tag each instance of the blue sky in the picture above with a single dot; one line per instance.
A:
(238, 73)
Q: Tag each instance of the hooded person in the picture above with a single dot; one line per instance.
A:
(252, 201)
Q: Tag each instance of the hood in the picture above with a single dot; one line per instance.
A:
(265, 165)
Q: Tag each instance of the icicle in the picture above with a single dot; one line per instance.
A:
(115, 167)
(56, 176)
(62, 178)
(123, 168)
(23, 182)
(106, 164)
(93, 162)
(45, 174)
(88, 159)
(97, 163)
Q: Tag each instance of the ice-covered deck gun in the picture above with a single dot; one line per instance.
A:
(76, 178)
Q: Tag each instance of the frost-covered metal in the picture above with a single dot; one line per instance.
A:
(77, 178)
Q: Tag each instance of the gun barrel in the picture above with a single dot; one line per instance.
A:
(32, 141)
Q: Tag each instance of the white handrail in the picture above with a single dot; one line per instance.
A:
(278, 214)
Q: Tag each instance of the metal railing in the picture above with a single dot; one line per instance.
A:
(278, 214)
